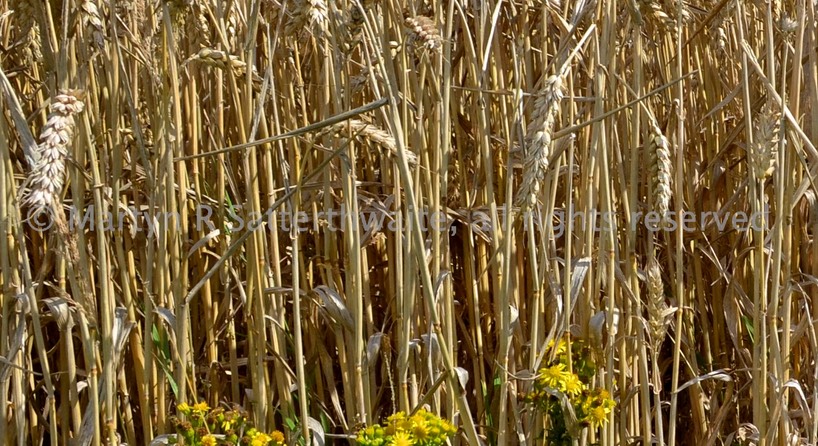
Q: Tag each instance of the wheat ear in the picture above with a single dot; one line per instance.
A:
(763, 149)
(658, 310)
(423, 33)
(371, 133)
(311, 14)
(659, 148)
(222, 60)
(44, 182)
(354, 27)
(92, 19)
(27, 29)
(538, 141)
(664, 16)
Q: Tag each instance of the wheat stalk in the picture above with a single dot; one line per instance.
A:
(448, 76)
(45, 181)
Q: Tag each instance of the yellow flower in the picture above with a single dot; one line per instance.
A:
(183, 407)
(604, 400)
(420, 431)
(571, 385)
(208, 440)
(598, 416)
(201, 407)
(398, 423)
(260, 439)
(277, 437)
(395, 417)
(562, 347)
(401, 439)
(553, 376)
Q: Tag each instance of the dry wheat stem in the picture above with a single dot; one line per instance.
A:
(158, 143)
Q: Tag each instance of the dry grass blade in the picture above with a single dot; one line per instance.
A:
(335, 306)
(30, 149)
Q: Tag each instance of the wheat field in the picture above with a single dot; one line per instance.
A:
(327, 215)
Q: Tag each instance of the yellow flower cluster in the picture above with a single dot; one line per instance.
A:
(591, 405)
(556, 377)
(256, 438)
(214, 427)
(421, 429)
(562, 347)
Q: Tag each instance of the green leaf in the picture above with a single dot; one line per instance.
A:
(164, 347)
(291, 424)
(748, 324)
